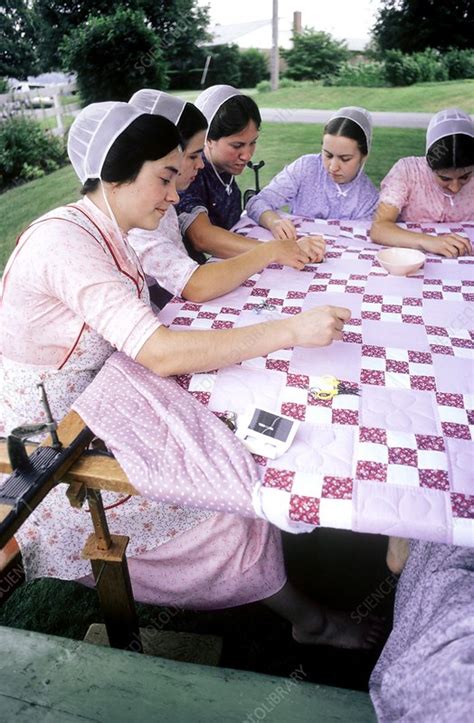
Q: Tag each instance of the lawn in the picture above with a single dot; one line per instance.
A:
(279, 144)
(418, 98)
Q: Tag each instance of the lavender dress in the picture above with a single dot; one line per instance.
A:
(309, 191)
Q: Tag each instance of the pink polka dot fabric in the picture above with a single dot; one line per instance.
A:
(171, 448)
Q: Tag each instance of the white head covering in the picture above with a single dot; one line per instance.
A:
(158, 103)
(211, 99)
(448, 122)
(93, 133)
(361, 116)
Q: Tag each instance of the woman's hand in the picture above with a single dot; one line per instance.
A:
(319, 326)
(451, 245)
(288, 253)
(314, 247)
(282, 228)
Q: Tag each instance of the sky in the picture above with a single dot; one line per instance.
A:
(344, 19)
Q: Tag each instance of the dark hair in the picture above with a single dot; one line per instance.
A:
(191, 122)
(456, 151)
(233, 116)
(147, 138)
(349, 129)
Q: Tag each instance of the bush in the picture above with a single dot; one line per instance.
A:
(264, 86)
(400, 69)
(224, 66)
(253, 68)
(27, 151)
(288, 83)
(459, 64)
(431, 68)
(314, 55)
(369, 75)
(3, 85)
(114, 56)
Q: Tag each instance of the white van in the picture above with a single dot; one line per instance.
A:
(38, 98)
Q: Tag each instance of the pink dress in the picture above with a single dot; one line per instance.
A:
(73, 291)
(411, 187)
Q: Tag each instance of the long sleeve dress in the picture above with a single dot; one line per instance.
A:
(309, 191)
(73, 292)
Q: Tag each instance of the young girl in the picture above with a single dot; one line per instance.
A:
(162, 252)
(437, 188)
(73, 292)
(330, 184)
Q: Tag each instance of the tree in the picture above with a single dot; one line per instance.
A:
(17, 39)
(413, 25)
(253, 68)
(179, 24)
(314, 55)
(114, 56)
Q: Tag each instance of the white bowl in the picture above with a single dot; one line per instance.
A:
(399, 261)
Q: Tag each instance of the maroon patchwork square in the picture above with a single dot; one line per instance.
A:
(463, 343)
(424, 383)
(462, 505)
(282, 479)
(392, 308)
(436, 331)
(420, 357)
(373, 434)
(304, 509)
(220, 324)
(374, 315)
(202, 397)
(450, 400)
(295, 411)
(313, 401)
(432, 295)
(183, 321)
(410, 319)
(189, 306)
(260, 292)
(428, 441)
(291, 309)
(437, 349)
(350, 337)
(249, 282)
(403, 455)
(183, 380)
(411, 301)
(375, 351)
(374, 471)
(345, 416)
(337, 488)
(436, 479)
(372, 376)
(230, 310)
(401, 367)
(459, 431)
(354, 289)
(296, 295)
(373, 299)
(279, 365)
(207, 315)
(297, 380)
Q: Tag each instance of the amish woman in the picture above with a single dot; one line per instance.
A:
(162, 252)
(73, 291)
(330, 184)
(437, 187)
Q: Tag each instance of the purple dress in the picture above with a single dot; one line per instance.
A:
(309, 191)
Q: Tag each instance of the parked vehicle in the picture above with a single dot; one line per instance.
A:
(38, 97)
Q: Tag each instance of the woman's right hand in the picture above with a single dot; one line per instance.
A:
(451, 245)
(282, 228)
(288, 253)
(319, 326)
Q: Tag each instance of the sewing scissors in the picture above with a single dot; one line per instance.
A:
(330, 386)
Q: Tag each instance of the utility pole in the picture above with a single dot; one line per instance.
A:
(275, 56)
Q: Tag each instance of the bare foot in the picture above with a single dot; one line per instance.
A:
(397, 554)
(339, 630)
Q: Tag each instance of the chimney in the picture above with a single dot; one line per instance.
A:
(297, 28)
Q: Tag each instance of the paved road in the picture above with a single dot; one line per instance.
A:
(306, 115)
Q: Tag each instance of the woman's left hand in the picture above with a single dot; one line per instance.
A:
(314, 246)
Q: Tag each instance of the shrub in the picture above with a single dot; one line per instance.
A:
(459, 64)
(253, 68)
(224, 66)
(369, 75)
(314, 55)
(114, 56)
(3, 85)
(27, 151)
(264, 86)
(400, 69)
(431, 68)
(288, 83)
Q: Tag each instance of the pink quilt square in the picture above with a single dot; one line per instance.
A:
(402, 455)
(373, 434)
(345, 416)
(280, 478)
(401, 367)
(423, 382)
(296, 411)
(279, 365)
(304, 509)
(372, 376)
(437, 479)
(460, 431)
(430, 442)
(462, 505)
(339, 488)
(375, 471)
(297, 380)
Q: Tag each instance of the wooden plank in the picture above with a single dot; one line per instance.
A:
(46, 678)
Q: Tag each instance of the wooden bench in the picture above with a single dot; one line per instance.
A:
(47, 678)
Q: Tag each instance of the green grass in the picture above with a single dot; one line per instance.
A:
(279, 144)
(418, 98)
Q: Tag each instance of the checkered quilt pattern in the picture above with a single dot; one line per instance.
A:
(396, 460)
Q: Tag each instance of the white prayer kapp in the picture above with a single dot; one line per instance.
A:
(265, 433)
